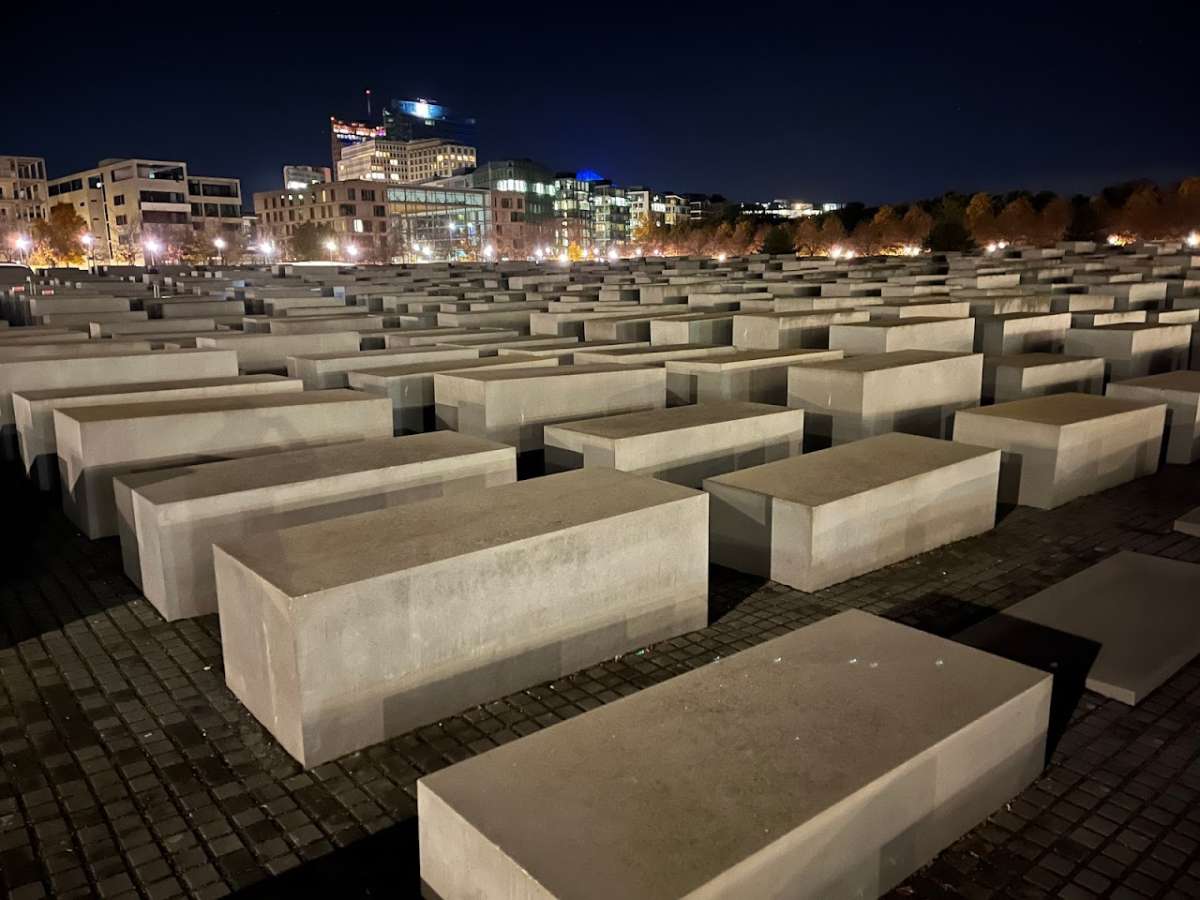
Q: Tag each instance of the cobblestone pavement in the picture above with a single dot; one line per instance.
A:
(129, 770)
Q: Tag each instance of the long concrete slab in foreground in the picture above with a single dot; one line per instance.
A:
(34, 410)
(1140, 614)
(95, 443)
(269, 352)
(343, 633)
(181, 513)
(683, 445)
(831, 762)
(815, 520)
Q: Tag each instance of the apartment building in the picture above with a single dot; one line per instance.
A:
(403, 162)
(22, 192)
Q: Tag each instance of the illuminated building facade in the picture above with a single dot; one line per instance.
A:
(437, 223)
(572, 213)
(610, 216)
(404, 162)
(343, 134)
(353, 212)
(23, 194)
(414, 120)
(125, 201)
(299, 178)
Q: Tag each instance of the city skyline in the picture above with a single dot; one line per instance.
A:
(1015, 101)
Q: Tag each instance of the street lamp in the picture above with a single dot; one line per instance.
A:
(219, 243)
(331, 246)
(612, 254)
(88, 240)
(1193, 239)
(352, 251)
(22, 243)
(152, 247)
(489, 251)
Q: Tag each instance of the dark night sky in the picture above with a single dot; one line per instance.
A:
(852, 101)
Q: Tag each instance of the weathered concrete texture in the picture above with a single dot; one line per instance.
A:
(1139, 615)
(34, 410)
(830, 762)
(1180, 391)
(1063, 446)
(322, 371)
(683, 445)
(754, 376)
(513, 405)
(914, 391)
(293, 325)
(95, 443)
(178, 514)
(410, 387)
(1133, 350)
(1034, 374)
(701, 328)
(629, 327)
(649, 355)
(931, 309)
(781, 331)
(111, 329)
(815, 520)
(1022, 333)
(342, 633)
(269, 352)
(955, 335)
(13, 351)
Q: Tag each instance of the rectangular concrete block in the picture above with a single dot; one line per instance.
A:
(702, 328)
(1133, 350)
(913, 391)
(34, 409)
(1063, 446)
(1012, 377)
(1180, 391)
(1022, 333)
(1138, 614)
(269, 352)
(96, 443)
(781, 331)
(815, 520)
(513, 405)
(853, 750)
(340, 634)
(683, 445)
(955, 335)
(179, 513)
(753, 376)
(321, 371)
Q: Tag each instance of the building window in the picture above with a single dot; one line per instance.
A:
(119, 200)
(122, 220)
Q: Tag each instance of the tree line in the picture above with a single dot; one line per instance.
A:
(1138, 210)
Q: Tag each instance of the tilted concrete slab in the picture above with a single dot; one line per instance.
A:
(914, 391)
(343, 633)
(1180, 391)
(96, 443)
(179, 513)
(779, 331)
(1141, 613)
(1134, 349)
(815, 520)
(513, 405)
(683, 445)
(831, 762)
(1062, 446)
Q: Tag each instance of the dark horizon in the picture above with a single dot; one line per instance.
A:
(852, 104)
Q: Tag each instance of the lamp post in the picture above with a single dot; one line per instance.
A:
(88, 242)
(331, 246)
(219, 243)
(151, 247)
(352, 252)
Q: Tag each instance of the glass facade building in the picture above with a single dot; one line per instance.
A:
(434, 223)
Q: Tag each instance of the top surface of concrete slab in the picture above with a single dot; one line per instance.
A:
(1032, 360)
(1183, 380)
(873, 362)
(139, 387)
(653, 421)
(312, 558)
(646, 350)
(312, 463)
(833, 707)
(211, 404)
(519, 374)
(1059, 409)
(746, 359)
(1142, 611)
(912, 322)
(848, 469)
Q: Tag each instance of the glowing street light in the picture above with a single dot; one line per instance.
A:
(1114, 240)
(1193, 239)
(1003, 245)
(88, 240)
(991, 248)
(352, 251)
(836, 252)
(331, 246)
(721, 257)
(563, 258)
(489, 251)
(153, 248)
(219, 243)
(612, 254)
